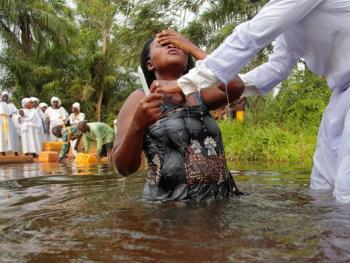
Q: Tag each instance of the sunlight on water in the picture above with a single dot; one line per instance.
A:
(57, 212)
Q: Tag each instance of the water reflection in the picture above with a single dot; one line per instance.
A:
(66, 213)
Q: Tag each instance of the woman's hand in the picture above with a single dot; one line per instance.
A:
(167, 86)
(148, 111)
(172, 37)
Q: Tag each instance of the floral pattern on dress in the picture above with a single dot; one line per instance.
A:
(154, 171)
(196, 146)
(201, 169)
(210, 145)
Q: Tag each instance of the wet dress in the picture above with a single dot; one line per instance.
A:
(186, 158)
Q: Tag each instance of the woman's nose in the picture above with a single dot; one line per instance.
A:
(171, 45)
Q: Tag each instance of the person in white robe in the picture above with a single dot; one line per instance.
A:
(30, 128)
(55, 115)
(317, 31)
(9, 140)
(74, 118)
(35, 102)
(43, 107)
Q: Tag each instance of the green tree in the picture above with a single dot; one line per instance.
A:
(32, 31)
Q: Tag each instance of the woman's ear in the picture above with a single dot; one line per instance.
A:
(150, 65)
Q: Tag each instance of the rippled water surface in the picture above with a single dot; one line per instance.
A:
(59, 213)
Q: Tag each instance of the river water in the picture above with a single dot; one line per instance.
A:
(61, 213)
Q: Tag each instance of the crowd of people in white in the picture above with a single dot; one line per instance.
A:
(24, 130)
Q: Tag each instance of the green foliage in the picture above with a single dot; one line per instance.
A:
(299, 105)
(282, 128)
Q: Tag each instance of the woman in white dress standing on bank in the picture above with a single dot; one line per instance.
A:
(43, 107)
(35, 101)
(55, 115)
(9, 140)
(30, 128)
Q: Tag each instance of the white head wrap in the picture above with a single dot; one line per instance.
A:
(42, 104)
(5, 93)
(56, 99)
(25, 101)
(34, 99)
(76, 105)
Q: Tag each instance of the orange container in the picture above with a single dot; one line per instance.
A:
(48, 156)
(52, 146)
(86, 158)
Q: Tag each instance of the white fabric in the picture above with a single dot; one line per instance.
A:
(43, 127)
(115, 122)
(5, 93)
(56, 99)
(76, 105)
(30, 131)
(317, 31)
(76, 118)
(331, 169)
(34, 99)
(249, 87)
(55, 117)
(25, 101)
(43, 104)
(197, 78)
(9, 140)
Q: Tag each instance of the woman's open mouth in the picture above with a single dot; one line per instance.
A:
(173, 52)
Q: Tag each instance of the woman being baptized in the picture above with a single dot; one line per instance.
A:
(180, 138)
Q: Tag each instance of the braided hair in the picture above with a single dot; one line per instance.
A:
(145, 56)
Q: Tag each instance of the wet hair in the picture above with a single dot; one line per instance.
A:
(145, 56)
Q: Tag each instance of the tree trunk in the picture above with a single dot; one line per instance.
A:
(100, 96)
(26, 35)
(98, 106)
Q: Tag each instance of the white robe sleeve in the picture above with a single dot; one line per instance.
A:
(268, 75)
(248, 38)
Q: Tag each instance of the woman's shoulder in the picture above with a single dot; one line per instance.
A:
(133, 98)
(137, 93)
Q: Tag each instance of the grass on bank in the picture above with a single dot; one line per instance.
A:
(270, 143)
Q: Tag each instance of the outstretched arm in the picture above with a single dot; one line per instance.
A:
(269, 74)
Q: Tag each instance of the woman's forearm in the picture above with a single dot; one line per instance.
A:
(127, 154)
(198, 53)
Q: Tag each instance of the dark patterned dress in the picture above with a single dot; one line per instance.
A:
(186, 158)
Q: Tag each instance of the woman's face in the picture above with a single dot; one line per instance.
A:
(5, 98)
(167, 59)
(75, 110)
(55, 104)
(29, 105)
